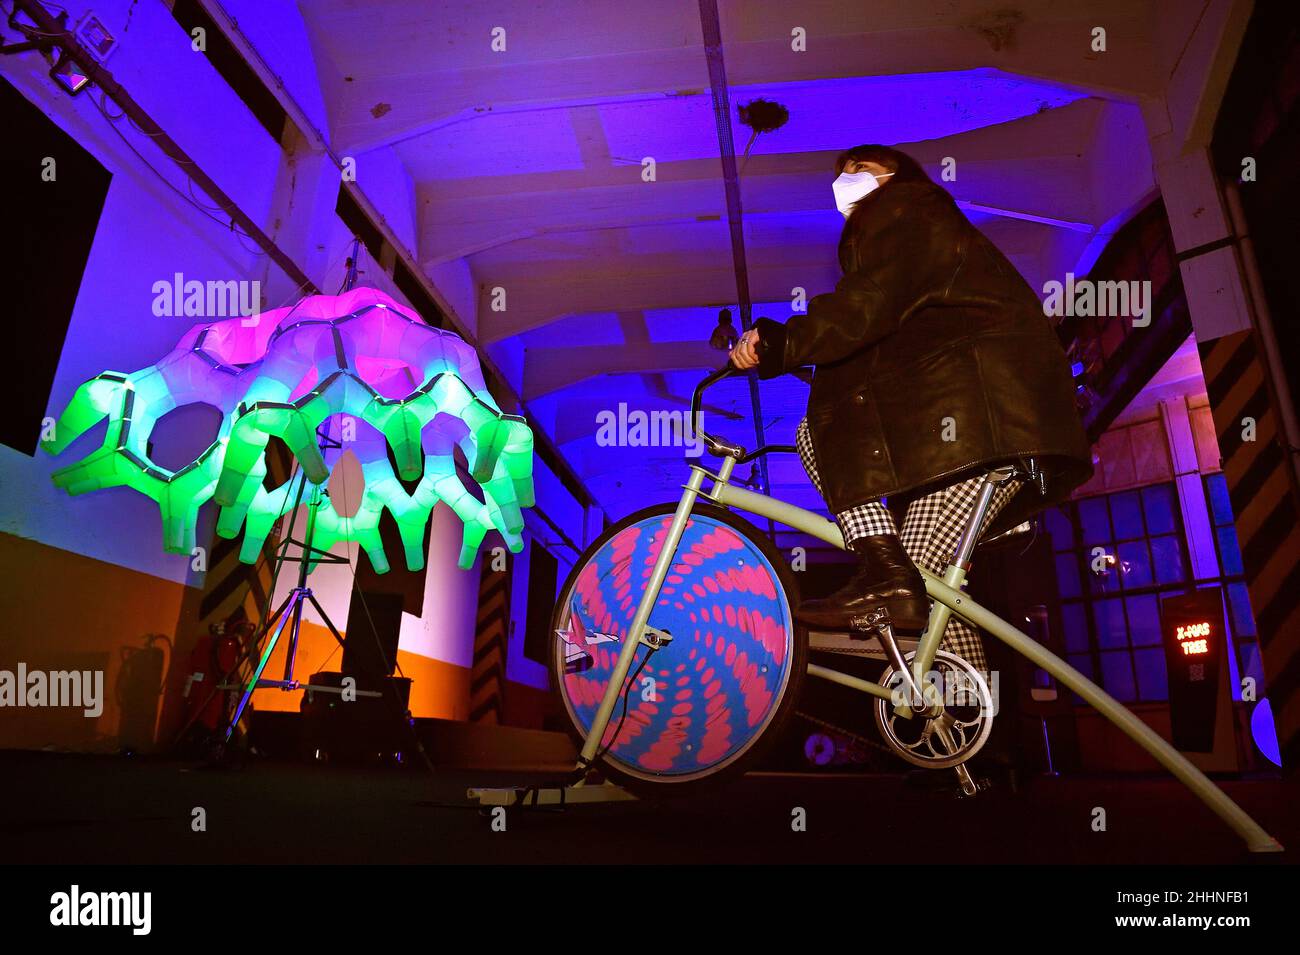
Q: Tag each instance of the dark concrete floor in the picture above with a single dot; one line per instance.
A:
(61, 808)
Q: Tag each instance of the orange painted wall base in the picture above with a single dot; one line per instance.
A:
(63, 611)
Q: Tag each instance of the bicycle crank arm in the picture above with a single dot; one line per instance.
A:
(968, 785)
(878, 622)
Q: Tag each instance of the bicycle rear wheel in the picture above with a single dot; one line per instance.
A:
(705, 705)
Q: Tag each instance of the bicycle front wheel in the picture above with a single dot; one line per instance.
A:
(703, 706)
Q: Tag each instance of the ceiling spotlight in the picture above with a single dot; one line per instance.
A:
(95, 37)
(69, 74)
(724, 337)
(64, 70)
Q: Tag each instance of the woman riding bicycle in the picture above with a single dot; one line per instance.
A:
(934, 363)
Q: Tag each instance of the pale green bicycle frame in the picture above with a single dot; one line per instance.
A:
(948, 599)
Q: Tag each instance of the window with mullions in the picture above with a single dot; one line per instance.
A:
(1116, 554)
(1240, 619)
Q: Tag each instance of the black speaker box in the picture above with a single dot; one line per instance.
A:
(370, 642)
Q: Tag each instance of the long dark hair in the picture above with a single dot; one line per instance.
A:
(904, 169)
(903, 166)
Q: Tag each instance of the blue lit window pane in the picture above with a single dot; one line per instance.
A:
(1083, 663)
(1094, 520)
(1059, 528)
(1107, 582)
(1243, 620)
(1158, 501)
(1117, 676)
(1216, 487)
(1076, 628)
(1126, 515)
(1251, 666)
(1134, 564)
(1112, 631)
(1167, 556)
(1067, 575)
(1229, 551)
(1153, 679)
(1143, 620)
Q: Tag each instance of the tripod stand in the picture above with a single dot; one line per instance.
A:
(289, 613)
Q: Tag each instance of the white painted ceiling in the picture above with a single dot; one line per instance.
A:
(527, 167)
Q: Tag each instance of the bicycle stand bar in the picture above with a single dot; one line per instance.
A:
(1256, 839)
(549, 795)
(298, 685)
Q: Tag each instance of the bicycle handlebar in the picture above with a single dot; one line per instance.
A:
(697, 398)
(715, 444)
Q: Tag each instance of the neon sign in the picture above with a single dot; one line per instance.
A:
(1194, 660)
(1193, 638)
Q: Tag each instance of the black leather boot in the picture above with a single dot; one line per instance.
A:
(885, 577)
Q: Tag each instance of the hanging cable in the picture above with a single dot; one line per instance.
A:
(627, 690)
(228, 224)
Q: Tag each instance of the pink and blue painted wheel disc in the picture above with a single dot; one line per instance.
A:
(718, 683)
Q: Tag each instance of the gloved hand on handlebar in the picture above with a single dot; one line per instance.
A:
(745, 353)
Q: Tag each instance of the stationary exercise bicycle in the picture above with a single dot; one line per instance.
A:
(680, 617)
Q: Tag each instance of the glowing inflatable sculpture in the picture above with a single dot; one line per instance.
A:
(406, 386)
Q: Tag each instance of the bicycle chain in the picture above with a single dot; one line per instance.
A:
(843, 732)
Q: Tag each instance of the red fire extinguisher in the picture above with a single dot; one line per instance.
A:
(212, 660)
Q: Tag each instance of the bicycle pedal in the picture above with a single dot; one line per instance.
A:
(868, 623)
(982, 785)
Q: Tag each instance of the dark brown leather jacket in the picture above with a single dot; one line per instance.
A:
(933, 359)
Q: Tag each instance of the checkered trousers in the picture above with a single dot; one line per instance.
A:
(931, 529)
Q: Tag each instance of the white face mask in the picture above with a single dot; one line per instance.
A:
(852, 186)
